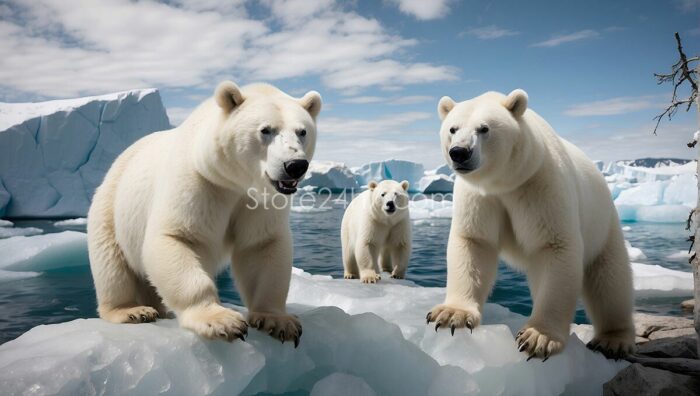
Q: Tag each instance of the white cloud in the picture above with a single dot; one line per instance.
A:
(490, 32)
(687, 5)
(51, 48)
(424, 9)
(567, 38)
(613, 106)
(388, 124)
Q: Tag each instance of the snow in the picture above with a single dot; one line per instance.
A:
(6, 223)
(335, 176)
(655, 280)
(429, 208)
(391, 169)
(54, 154)
(80, 221)
(437, 183)
(7, 232)
(44, 252)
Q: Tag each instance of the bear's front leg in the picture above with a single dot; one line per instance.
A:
(262, 274)
(180, 279)
(471, 272)
(555, 277)
(367, 256)
(399, 258)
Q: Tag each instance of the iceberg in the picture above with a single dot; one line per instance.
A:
(54, 154)
(6, 223)
(634, 253)
(437, 183)
(654, 213)
(334, 176)
(391, 170)
(429, 209)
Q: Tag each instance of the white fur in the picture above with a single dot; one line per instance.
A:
(539, 203)
(178, 203)
(373, 238)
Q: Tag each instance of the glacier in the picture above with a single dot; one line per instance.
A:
(392, 169)
(334, 176)
(355, 335)
(54, 154)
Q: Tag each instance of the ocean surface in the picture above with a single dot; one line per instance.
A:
(66, 294)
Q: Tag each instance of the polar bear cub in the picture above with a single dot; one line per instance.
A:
(376, 232)
(179, 203)
(526, 194)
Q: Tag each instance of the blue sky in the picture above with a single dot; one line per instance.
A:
(381, 66)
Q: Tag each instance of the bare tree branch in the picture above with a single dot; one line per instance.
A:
(681, 72)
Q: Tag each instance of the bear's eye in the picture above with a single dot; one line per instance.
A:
(266, 130)
(453, 130)
(302, 132)
(383, 194)
(483, 128)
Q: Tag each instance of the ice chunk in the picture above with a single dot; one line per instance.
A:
(81, 221)
(626, 228)
(96, 357)
(6, 223)
(430, 208)
(599, 165)
(7, 276)
(441, 170)
(7, 232)
(334, 176)
(430, 184)
(682, 255)
(650, 193)
(44, 252)
(54, 154)
(634, 253)
(310, 209)
(681, 190)
(391, 170)
(654, 214)
(655, 280)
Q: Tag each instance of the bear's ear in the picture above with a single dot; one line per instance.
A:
(312, 103)
(372, 185)
(516, 102)
(445, 105)
(228, 96)
(404, 185)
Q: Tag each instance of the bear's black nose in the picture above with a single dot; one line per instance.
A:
(390, 206)
(460, 154)
(296, 168)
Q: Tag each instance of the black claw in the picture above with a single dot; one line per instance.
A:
(519, 333)
(452, 330)
(523, 346)
(437, 325)
(470, 326)
(157, 315)
(296, 342)
(545, 359)
(281, 336)
(530, 357)
(132, 317)
(143, 318)
(427, 318)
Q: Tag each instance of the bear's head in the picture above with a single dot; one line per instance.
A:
(480, 135)
(389, 199)
(263, 137)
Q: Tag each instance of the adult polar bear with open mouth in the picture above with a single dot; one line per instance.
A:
(177, 204)
(526, 194)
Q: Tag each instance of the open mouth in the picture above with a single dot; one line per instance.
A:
(463, 168)
(390, 210)
(285, 186)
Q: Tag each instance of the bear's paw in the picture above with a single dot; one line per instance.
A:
(447, 316)
(282, 327)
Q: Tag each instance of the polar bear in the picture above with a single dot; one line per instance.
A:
(376, 232)
(177, 204)
(533, 198)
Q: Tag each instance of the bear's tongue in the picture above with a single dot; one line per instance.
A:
(287, 183)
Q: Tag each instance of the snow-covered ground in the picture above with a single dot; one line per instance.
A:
(371, 337)
(54, 154)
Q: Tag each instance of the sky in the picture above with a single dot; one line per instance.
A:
(381, 66)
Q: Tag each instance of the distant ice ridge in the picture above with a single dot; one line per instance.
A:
(393, 170)
(334, 176)
(54, 154)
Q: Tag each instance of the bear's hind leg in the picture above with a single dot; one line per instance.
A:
(385, 262)
(118, 288)
(350, 264)
(609, 299)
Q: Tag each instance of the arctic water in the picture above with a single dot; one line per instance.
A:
(67, 293)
